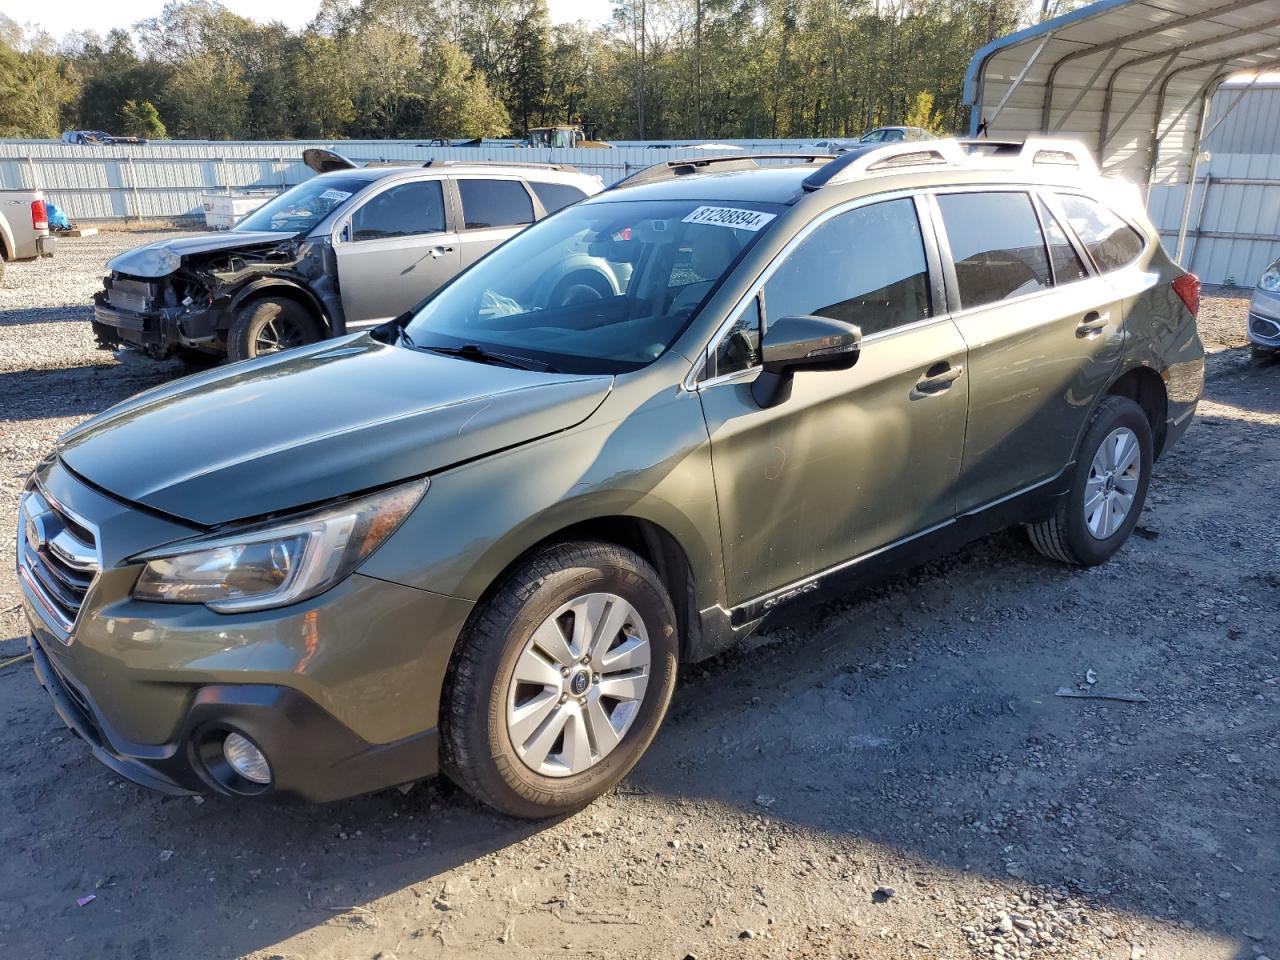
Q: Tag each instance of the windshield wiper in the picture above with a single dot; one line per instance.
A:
(473, 351)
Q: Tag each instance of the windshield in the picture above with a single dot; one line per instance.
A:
(300, 208)
(597, 288)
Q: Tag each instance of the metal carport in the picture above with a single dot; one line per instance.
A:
(1132, 79)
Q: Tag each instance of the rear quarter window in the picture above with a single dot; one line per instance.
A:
(1110, 241)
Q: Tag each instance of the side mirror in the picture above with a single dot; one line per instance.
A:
(802, 343)
(389, 331)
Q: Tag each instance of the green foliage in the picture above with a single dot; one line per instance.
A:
(36, 85)
(922, 113)
(659, 69)
(141, 120)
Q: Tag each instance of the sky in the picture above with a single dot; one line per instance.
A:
(62, 16)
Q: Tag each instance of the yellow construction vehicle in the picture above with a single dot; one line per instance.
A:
(564, 135)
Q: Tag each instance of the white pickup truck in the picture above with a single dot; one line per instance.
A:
(24, 227)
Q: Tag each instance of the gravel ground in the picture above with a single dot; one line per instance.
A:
(886, 775)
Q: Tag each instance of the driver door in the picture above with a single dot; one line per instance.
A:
(852, 460)
(394, 250)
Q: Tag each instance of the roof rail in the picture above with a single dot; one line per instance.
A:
(670, 169)
(563, 167)
(887, 158)
(1034, 151)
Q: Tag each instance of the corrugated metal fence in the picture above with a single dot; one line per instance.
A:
(1234, 228)
(165, 180)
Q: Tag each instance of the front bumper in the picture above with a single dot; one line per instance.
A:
(157, 332)
(341, 692)
(313, 756)
(1263, 324)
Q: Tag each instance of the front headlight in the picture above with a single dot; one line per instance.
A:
(279, 562)
(157, 261)
(1271, 279)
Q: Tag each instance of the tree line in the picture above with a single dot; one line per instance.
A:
(395, 69)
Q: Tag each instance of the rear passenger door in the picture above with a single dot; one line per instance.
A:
(852, 460)
(393, 250)
(1044, 335)
(489, 211)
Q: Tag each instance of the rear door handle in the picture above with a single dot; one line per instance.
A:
(1092, 323)
(937, 378)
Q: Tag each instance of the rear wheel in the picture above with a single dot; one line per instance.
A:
(270, 325)
(1108, 488)
(560, 681)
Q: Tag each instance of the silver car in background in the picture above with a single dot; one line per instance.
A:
(348, 249)
(1264, 314)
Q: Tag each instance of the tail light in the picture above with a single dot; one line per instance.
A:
(39, 215)
(1187, 287)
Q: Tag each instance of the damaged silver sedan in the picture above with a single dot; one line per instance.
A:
(348, 249)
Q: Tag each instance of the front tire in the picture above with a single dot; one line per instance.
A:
(270, 325)
(560, 680)
(1108, 488)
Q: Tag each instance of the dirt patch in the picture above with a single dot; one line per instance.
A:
(886, 775)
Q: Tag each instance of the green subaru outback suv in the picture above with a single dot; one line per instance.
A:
(482, 538)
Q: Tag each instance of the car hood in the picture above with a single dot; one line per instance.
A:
(316, 423)
(156, 259)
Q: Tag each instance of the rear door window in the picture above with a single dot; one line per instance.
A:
(494, 203)
(865, 267)
(556, 196)
(1110, 241)
(996, 246)
(1067, 265)
(403, 211)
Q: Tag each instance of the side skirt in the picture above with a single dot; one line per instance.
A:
(721, 628)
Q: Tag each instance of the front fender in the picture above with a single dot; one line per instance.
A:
(650, 462)
(255, 288)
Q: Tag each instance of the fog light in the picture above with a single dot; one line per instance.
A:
(246, 759)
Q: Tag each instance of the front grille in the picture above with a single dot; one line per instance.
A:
(135, 295)
(57, 555)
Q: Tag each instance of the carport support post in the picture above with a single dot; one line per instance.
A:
(1201, 136)
(1186, 200)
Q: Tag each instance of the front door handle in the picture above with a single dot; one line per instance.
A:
(1092, 323)
(438, 252)
(936, 379)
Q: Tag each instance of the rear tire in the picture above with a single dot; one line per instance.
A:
(1108, 488)
(267, 326)
(506, 691)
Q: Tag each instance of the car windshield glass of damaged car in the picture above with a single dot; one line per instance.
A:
(300, 208)
(597, 288)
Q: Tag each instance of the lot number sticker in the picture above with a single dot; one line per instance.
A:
(338, 195)
(732, 217)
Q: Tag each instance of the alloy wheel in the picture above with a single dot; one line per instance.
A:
(275, 335)
(1113, 483)
(578, 685)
